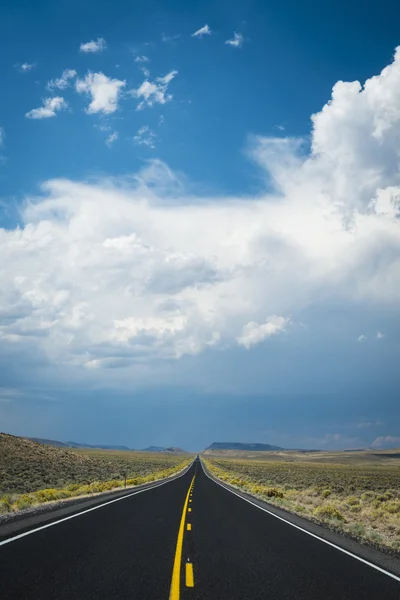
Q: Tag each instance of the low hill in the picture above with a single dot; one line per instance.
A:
(28, 466)
(242, 447)
(76, 444)
(48, 442)
(98, 446)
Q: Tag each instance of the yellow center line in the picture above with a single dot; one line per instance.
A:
(189, 510)
(189, 575)
(189, 527)
(175, 590)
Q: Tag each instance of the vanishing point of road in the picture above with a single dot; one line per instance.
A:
(189, 539)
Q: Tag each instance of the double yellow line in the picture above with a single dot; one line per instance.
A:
(175, 591)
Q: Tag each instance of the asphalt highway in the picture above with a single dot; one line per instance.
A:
(186, 539)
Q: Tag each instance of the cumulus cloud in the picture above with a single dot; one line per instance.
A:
(145, 137)
(112, 138)
(386, 441)
(104, 91)
(49, 109)
(380, 336)
(253, 333)
(62, 82)
(205, 30)
(94, 46)
(140, 268)
(141, 59)
(362, 338)
(236, 41)
(154, 92)
(25, 67)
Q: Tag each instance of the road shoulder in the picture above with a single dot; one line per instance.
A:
(387, 562)
(22, 522)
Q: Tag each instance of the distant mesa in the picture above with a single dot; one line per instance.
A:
(162, 449)
(242, 446)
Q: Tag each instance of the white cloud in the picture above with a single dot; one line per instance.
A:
(62, 82)
(386, 441)
(339, 441)
(112, 138)
(49, 109)
(2, 136)
(170, 38)
(253, 333)
(367, 424)
(236, 41)
(362, 338)
(205, 30)
(25, 67)
(145, 137)
(105, 92)
(142, 268)
(380, 336)
(154, 92)
(94, 46)
(141, 59)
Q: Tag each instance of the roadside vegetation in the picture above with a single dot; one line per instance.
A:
(32, 474)
(361, 500)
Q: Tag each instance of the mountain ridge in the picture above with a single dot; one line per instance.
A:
(255, 447)
(71, 444)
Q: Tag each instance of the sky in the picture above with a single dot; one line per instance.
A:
(199, 223)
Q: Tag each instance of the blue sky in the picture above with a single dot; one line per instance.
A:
(200, 234)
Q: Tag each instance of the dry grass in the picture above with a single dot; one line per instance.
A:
(33, 473)
(361, 499)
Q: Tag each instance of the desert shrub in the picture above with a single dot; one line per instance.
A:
(374, 536)
(5, 507)
(7, 500)
(46, 495)
(368, 496)
(273, 493)
(24, 501)
(326, 493)
(328, 511)
(390, 494)
(393, 507)
(352, 501)
(357, 529)
(73, 487)
(22, 504)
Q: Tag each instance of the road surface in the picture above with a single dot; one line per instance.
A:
(186, 539)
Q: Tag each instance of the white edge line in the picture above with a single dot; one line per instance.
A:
(303, 530)
(83, 512)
